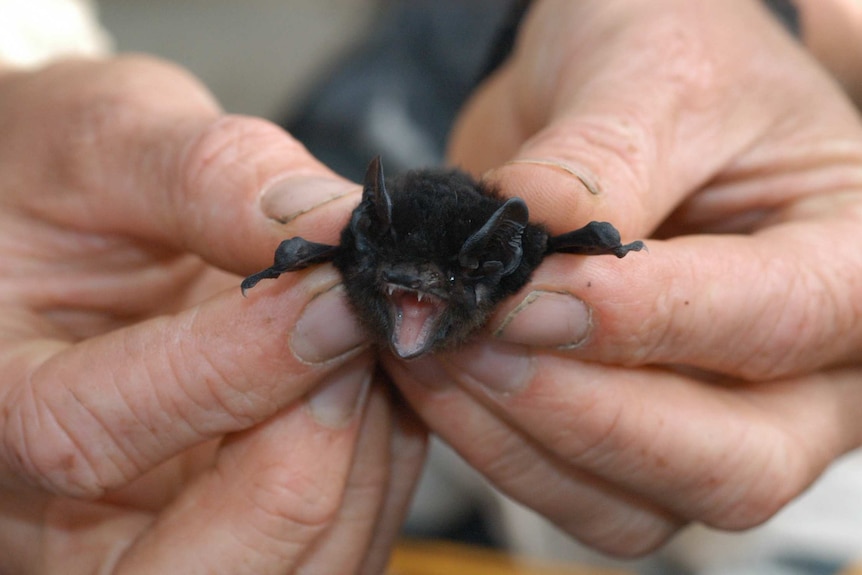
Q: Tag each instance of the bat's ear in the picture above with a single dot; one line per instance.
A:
(375, 195)
(495, 250)
(374, 214)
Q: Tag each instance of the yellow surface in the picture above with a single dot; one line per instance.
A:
(443, 558)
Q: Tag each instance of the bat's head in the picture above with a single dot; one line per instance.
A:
(423, 266)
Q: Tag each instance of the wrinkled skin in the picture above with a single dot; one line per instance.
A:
(153, 420)
(715, 378)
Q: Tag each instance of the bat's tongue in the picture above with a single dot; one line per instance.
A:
(415, 322)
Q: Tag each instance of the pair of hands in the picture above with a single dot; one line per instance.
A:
(154, 420)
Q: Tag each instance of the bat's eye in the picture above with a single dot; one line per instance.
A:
(451, 279)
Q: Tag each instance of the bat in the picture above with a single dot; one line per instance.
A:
(427, 255)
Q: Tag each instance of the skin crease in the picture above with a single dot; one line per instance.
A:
(154, 421)
(719, 374)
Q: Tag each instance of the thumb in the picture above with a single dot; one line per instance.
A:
(618, 110)
(149, 154)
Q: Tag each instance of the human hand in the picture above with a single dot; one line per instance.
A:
(153, 419)
(714, 378)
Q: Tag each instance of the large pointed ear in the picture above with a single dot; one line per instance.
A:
(374, 195)
(495, 250)
(373, 216)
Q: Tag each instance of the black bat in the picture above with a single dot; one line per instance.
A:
(427, 255)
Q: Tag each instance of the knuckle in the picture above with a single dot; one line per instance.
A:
(625, 535)
(43, 452)
(104, 106)
(117, 98)
(687, 65)
(229, 156)
(755, 508)
(284, 494)
(234, 142)
(809, 323)
(747, 497)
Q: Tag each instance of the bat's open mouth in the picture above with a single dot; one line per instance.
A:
(414, 314)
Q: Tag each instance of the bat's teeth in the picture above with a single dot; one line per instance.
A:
(419, 296)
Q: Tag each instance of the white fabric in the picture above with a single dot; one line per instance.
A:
(35, 32)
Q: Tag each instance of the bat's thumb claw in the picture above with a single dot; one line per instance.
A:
(637, 246)
(247, 284)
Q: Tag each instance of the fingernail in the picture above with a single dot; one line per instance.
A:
(286, 199)
(339, 396)
(500, 367)
(586, 177)
(547, 319)
(326, 329)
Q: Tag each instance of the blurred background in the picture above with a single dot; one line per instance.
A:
(258, 56)
(351, 79)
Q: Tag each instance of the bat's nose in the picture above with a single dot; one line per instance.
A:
(402, 278)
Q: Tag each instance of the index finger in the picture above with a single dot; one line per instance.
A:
(779, 303)
(87, 417)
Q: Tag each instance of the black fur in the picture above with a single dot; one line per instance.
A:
(428, 255)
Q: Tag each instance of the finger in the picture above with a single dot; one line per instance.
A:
(588, 508)
(636, 105)
(375, 499)
(781, 302)
(727, 456)
(344, 545)
(407, 449)
(154, 158)
(274, 492)
(91, 416)
(45, 534)
(79, 537)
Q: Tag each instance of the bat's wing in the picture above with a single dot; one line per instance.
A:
(595, 238)
(291, 255)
